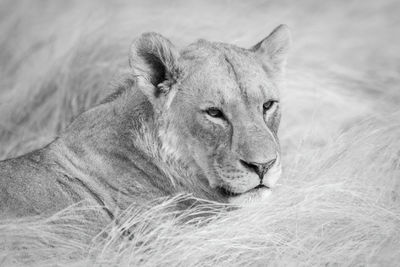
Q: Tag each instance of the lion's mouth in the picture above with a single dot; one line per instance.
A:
(227, 193)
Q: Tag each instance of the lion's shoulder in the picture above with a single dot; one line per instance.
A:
(28, 187)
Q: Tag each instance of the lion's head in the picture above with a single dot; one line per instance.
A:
(218, 107)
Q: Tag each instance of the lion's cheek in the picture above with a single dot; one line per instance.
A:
(210, 137)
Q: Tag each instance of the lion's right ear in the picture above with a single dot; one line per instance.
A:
(273, 49)
(153, 59)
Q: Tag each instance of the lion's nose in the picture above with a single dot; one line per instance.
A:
(259, 168)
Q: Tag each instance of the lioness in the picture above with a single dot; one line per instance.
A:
(203, 121)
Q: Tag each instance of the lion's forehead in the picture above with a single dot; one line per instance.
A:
(229, 75)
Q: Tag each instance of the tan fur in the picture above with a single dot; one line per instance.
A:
(154, 137)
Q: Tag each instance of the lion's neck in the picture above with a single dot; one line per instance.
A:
(98, 150)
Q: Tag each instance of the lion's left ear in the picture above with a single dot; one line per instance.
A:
(153, 59)
(273, 50)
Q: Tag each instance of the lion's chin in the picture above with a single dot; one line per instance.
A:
(255, 195)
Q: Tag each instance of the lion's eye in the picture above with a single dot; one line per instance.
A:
(268, 105)
(215, 113)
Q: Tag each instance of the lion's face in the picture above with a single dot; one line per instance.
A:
(222, 111)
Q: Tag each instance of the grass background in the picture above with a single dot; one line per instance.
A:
(338, 202)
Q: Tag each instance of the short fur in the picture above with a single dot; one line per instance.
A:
(154, 137)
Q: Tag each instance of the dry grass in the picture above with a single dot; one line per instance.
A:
(339, 198)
